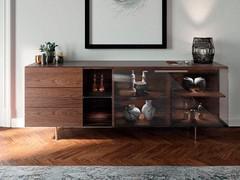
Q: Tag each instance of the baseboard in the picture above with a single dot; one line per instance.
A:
(18, 123)
(234, 122)
(5, 118)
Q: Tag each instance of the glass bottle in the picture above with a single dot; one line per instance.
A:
(102, 88)
(144, 77)
(133, 81)
(94, 88)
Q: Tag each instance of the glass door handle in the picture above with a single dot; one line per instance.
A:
(171, 71)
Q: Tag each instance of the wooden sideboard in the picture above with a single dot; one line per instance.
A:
(62, 95)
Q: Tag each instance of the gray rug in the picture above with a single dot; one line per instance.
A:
(119, 173)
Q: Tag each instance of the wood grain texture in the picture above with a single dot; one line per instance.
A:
(131, 64)
(36, 146)
(53, 77)
(53, 97)
(53, 117)
(54, 92)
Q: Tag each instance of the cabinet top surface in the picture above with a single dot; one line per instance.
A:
(133, 64)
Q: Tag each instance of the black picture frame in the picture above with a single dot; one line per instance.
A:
(89, 45)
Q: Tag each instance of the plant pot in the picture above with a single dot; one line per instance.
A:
(43, 59)
(50, 59)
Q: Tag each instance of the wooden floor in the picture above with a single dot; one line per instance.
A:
(36, 146)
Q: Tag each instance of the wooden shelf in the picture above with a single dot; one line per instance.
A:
(98, 119)
(123, 94)
(99, 95)
(158, 121)
(209, 120)
(206, 94)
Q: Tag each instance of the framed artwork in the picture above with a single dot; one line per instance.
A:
(126, 24)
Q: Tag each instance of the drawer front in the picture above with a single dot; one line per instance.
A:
(54, 97)
(53, 77)
(53, 117)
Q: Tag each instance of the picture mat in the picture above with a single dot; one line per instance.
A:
(113, 23)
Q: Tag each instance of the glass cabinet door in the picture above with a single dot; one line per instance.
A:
(199, 99)
(145, 103)
(170, 98)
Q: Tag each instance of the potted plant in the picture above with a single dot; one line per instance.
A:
(49, 50)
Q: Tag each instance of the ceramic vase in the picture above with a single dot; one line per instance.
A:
(203, 50)
(148, 110)
(132, 113)
(200, 83)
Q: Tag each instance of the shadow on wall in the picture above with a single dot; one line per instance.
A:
(13, 60)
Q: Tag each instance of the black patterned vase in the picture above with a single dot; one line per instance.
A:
(203, 50)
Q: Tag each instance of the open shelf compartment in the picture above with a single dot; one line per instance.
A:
(97, 112)
(92, 89)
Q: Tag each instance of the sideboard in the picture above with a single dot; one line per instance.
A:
(64, 95)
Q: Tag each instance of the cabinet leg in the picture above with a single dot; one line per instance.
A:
(56, 133)
(195, 134)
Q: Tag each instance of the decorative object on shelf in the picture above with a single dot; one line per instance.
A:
(180, 63)
(141, 88)
(148, 110)
(132, 113)
(94, 87)
(49, 50)
(59, 56)
(200, 84)
(38, 57)
(197, 84)
(129, 19)
(133, 80)
(144, 76)
(102, 88)
(203, 50)
(190, 115)
(43, 59)
(188, 83)
(195, 112)
(199, 112)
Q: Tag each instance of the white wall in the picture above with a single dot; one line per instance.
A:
(62, 21)
(1, 60)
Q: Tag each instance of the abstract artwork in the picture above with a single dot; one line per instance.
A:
(126, 24)
(129, 4)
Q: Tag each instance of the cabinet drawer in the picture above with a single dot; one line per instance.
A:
(53, 77)
(54, 97)
(53, 117)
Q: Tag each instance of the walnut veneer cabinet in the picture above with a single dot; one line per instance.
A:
(62, 95)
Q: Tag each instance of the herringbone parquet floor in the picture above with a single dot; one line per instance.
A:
(36, 146)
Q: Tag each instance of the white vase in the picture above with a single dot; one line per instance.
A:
(148, 110)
